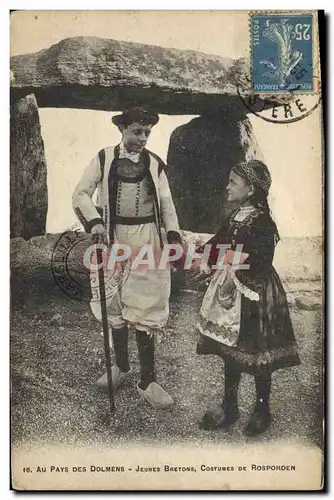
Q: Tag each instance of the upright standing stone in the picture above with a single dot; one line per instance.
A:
(200, 157)
(28, 173)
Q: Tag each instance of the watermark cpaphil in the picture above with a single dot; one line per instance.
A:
(75, 267)
(80, 281)
(147, 258)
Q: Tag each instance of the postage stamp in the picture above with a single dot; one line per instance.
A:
(282, 52)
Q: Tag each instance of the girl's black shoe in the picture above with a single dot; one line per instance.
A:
(219, 420)
(259, 421)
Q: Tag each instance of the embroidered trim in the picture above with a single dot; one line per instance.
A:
(243, 213)
(219, 337)
(137, 199)
(246, 292)
(149, 330)
(281, 357)
(247, 221)
(157, 211)
(81, 218)
(113, 193)
(118, 198)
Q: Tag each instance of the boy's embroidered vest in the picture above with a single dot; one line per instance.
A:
(108, 190)
(134, 201)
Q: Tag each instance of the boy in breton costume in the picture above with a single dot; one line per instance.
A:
(134, 201)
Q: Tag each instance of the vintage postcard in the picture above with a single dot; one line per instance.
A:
(166, 190)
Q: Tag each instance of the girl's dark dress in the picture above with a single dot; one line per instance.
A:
(259, 320)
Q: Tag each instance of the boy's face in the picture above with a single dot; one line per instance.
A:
(135, 136)
(238, 190)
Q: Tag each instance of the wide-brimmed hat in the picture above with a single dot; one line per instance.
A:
(136, 115)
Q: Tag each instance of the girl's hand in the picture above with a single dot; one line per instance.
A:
(263, 359)
(196, 272)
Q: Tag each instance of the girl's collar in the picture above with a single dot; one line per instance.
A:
(243, 213)
(247, 209)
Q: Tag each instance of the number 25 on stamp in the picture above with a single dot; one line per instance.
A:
(282, 52)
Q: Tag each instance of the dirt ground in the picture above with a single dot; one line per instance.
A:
(54, 367)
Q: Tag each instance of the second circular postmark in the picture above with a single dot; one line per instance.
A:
(74, 268)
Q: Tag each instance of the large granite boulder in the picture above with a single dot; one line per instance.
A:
(200, 157)
(96, 73)
(28, 173)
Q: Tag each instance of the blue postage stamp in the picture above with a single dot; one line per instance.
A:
(282, 52)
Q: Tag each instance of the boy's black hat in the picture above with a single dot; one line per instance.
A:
(136, 115)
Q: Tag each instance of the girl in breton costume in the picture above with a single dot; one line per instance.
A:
(244, 317)
(134, 203)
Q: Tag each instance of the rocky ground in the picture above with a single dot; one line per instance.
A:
(56, 360)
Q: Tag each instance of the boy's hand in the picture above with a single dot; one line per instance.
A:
(174, 237)
(99, 234)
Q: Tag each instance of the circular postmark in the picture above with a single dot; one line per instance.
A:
(75, 269)
(278, 107)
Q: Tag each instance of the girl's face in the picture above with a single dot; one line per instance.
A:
(237, 189)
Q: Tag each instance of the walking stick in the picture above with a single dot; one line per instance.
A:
(105, 328)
